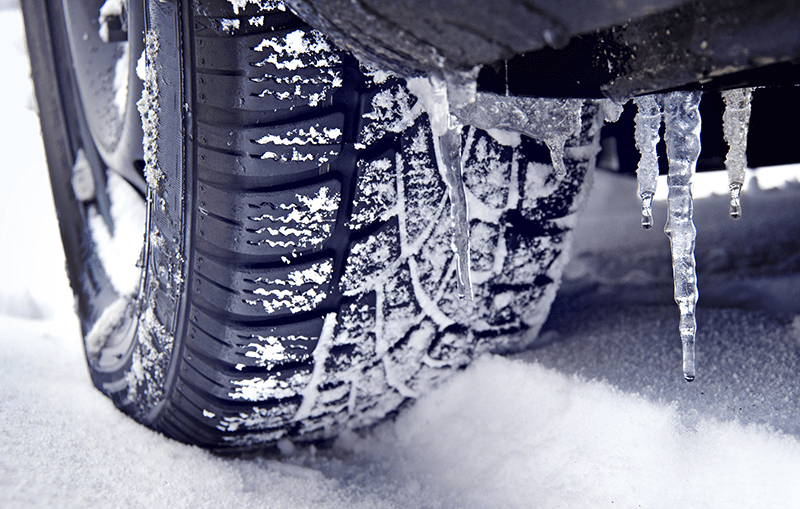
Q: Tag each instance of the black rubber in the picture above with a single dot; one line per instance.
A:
(298, 276)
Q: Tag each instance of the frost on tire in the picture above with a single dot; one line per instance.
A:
(407, 329)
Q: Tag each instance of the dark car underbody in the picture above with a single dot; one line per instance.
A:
(589, 49)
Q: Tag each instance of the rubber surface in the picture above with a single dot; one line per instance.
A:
(298, 276)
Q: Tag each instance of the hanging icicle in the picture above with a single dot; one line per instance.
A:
(648, 123)
(682, 121)
(439, 96)
(735, 125)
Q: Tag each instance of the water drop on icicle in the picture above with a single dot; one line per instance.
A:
(647, 209)
(735, 124)
(736, 204)
(648, 122)
(438, 96)
(682, 121)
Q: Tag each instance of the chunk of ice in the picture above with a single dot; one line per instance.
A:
(735, 124)
(612, 109)
(552, 121)
(648, 122)
(682, 120)
(449, 150)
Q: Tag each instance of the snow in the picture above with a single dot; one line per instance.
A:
(109, 9)
(120, 252)
(533, 430)
(111, 318)
(121, 70)
(240, 5)
(299, 298)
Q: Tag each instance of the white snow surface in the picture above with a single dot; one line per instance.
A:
(534, 430)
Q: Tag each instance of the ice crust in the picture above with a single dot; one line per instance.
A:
(550, 120)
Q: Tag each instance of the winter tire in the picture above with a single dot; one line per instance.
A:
(292, 273)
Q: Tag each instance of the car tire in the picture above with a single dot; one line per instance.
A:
(294, 275)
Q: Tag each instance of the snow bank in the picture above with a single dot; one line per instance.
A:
(511, 434)
(505, 433)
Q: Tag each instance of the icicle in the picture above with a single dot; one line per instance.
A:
(648, 122)
(556, 146)
(439, 96)
(682, 120)
(453, 100)
(560, 122)
(735, 124)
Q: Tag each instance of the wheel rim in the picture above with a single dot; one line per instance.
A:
(105, 75)
(110, 161)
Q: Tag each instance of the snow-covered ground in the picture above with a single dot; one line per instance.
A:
(597, 415)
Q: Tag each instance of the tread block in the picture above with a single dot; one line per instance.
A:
(376, 192)
(241, 9)
(316, 141)
(278, 70)
(208, 378)
(279, 291)
(288, 222)
(217, 165)
(388, 109)
(370, 260)
(265, 92)
(244, 347)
